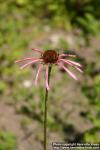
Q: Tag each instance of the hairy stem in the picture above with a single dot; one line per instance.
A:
(45, 111)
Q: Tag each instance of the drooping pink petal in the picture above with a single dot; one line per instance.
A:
(67, 62)
(46, 79)
(21, 60)
(38, 73)
(68, 71)
(79, 69)
(69, 55)
(37, 50)
(27, 64)
(75, 63)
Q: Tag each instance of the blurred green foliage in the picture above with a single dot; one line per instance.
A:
(7, 141)
(3, 86)
(93, 94)
(92, 137)
(15, 15)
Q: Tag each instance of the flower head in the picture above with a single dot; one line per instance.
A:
(48, 58)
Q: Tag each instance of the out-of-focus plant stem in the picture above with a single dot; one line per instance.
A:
(45, 111)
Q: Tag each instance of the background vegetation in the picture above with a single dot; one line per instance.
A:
(67, 24)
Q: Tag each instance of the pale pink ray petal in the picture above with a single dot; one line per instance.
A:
(70, 55)
(21, 60)
(38, 73)
(27, 64)
(37, 50)
(75, 63)
(79, 69)
(46, 79)
(68, 71)
(67, 62)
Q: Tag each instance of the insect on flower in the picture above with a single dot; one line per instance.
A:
(50, 57)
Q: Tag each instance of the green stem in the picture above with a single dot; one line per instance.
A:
(45, 111)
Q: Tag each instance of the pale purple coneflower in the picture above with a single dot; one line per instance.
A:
(47, 59)
(50, 57)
